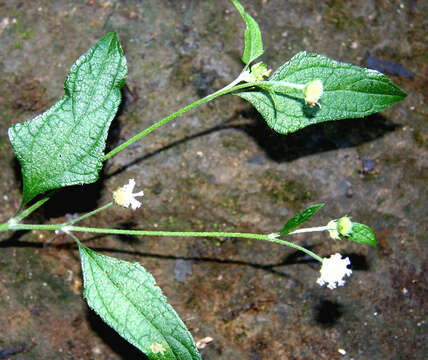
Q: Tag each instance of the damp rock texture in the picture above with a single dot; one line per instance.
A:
(220, 167)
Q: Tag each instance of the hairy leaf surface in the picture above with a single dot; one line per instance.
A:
(65, 145)
(126, 297)
(363, 234)
(349, 92)
(300, 218)
(253, 36)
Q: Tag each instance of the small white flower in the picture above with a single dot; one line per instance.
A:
(157, 348)
(124, 196)
(333, 270)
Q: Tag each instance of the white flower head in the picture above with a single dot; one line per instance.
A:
(125, 197)
(333, 270)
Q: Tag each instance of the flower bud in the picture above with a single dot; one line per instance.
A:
(344, 226)
(334, 234)
(313, 92)
(259, 71)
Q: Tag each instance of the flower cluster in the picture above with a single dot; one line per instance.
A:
(333, 270)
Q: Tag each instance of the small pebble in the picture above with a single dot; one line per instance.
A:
(200, 344)
(182, 269)
(368, 165)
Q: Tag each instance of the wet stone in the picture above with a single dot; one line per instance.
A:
(256, 300)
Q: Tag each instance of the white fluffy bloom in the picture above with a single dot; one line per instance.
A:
(333, 270)
(124, 196)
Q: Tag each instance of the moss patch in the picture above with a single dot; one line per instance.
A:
(288, 191)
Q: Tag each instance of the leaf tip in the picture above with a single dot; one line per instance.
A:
(300, 218)
(110, 36)
(363, 234)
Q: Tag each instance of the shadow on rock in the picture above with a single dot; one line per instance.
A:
(327, 313)
(73, 199)
(299, 257)
(358, 261)
(318, 138)
(128, 100)
(110, 337)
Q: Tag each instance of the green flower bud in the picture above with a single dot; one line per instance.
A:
(344, 226)
(259, 71)
(313, 92)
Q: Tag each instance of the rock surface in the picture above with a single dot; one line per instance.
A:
(221, 168)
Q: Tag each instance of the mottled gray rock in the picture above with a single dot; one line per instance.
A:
(219, 167)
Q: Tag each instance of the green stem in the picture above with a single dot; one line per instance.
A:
(75, 238)
(88, 214)
(69, 229)
(4, 227)
(32, 208)
(226, 90)
(295, 246)
(11, 222)
(284, 85)
(14, 222)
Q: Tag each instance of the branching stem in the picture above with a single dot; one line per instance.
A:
(226, 90)
(69, 228)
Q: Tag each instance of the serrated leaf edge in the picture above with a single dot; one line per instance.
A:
(134, 342)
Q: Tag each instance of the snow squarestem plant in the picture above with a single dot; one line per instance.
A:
(65, 146)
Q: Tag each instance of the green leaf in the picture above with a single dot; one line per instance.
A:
(253, 37)
(349, 92)
(65, 145)
(362, 233)
(300, 218)
(125, 296)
